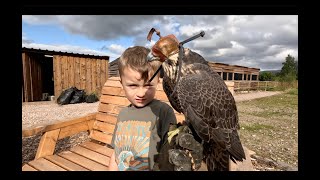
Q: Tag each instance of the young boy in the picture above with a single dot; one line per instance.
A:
(142, 127)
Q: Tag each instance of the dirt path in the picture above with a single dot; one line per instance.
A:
(254, 95)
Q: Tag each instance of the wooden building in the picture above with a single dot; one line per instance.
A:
(113, 68)
(235, 72)
(51, 72)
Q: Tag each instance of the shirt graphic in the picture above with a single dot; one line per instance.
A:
(132, 140)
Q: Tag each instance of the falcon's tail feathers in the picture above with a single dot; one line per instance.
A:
(218, 160)
(236, 151)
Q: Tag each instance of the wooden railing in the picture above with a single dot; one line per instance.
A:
(255, 85)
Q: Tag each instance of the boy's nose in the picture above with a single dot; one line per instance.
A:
(141, 92)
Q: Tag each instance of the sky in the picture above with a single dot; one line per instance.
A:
(258, 41)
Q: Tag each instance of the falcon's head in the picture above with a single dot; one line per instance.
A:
(164, 48)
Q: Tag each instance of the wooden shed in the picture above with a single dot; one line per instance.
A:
(113, 68)
(46, 72)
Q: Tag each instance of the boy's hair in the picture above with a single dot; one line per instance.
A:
(136, 58)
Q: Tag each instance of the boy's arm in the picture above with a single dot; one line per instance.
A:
(113, 166)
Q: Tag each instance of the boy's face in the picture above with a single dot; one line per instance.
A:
(138, 92)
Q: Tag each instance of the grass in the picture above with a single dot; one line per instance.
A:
(281, 86)
(256, 127)
(292, 91)
(269, 126)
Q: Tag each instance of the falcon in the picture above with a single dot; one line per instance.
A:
(201, 95)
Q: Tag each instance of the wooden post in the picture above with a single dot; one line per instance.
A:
(88, 76)
(266, 86)
(47, 143)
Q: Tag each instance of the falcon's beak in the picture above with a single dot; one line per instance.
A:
(150, 57)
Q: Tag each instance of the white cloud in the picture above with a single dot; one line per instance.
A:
(236, 19)
(40, 19)
(149, 44)
(267, 35)
(25, 39)
(282, 55)
(233, 29)
(236, 49)
(190, 30)
(116, 48)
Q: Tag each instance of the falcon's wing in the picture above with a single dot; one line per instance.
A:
(173, 98)
(210, 108)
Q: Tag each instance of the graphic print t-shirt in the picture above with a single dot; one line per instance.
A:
(139, 133)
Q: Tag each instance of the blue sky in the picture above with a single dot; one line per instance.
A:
(261, 41)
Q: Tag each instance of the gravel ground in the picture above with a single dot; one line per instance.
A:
(253, 95)
(34, 113)
(45, 112)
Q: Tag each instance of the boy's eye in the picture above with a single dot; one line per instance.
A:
(148, 85)
(132, 85)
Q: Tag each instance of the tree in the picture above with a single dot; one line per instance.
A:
(266, 76)
(289, 70)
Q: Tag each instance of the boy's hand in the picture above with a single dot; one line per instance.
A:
(186, 153)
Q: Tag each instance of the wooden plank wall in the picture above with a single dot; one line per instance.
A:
(87, 74)
(31, 78)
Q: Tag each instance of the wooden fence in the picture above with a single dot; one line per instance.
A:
(261, 85)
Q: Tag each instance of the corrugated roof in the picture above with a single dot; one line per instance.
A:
(210, 62)
(52, 52)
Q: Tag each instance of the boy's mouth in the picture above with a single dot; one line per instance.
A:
(140, 100)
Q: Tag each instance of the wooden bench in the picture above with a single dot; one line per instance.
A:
(94, 154)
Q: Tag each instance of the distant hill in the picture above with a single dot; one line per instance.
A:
(272, 71)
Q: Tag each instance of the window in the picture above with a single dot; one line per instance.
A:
(224, 76)
(254, 77)
(230, 76)
(237, 76)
